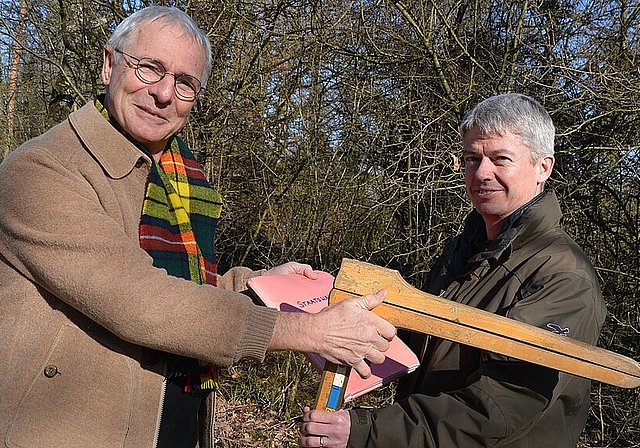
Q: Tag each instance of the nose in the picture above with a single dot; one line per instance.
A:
(483, 170)
(164, 89)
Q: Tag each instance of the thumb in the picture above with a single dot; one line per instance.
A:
(370, 301)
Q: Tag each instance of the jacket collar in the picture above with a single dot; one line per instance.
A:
(533, 218)
(113, 151)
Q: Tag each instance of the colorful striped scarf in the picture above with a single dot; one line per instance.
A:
(177, 228)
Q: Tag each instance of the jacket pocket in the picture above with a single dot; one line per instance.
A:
(81, 396)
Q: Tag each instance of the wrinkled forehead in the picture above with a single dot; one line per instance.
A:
(159, 29)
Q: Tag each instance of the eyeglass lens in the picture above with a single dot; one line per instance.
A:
(152, 71)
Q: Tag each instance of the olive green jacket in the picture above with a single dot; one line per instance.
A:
(469, 398)
(80, 300)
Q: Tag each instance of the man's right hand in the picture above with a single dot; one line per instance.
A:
(345, 333)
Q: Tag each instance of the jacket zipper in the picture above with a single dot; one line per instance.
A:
(163, 391)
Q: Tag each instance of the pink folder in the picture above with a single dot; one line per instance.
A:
(293, 292)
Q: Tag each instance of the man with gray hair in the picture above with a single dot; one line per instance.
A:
(113, 317)
(512, 259)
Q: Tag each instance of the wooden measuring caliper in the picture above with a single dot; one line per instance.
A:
(411, 309)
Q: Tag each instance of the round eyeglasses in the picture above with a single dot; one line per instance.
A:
(150, 71)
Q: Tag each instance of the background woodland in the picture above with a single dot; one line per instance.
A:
(330, 128)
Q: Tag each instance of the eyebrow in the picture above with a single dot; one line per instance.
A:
(467, 150)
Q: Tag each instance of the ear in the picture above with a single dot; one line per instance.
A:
(545, 166)
(107, 65)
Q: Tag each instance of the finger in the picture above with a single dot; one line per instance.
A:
(386, 330)
(313, 441)
(363, 369)
(370, 301)
(310, 432)
(304, 429)
(309, 272)
(381, 344)
(376, 357)
(323, 417)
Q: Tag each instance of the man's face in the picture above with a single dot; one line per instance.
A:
(500, 176)
(151, 113)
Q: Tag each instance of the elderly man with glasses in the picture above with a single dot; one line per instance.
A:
(113, 317)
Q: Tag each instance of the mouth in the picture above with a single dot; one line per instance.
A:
(485, 192)
(151, 113)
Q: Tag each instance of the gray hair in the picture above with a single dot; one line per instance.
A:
(168, 16)
(518, 114)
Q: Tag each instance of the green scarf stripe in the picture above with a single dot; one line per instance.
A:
(204, 207)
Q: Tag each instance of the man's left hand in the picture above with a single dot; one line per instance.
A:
(293, 267)
(324, 429)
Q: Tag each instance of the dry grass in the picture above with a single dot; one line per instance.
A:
(260, 405)
(245, 425)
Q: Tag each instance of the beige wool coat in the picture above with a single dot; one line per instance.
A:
(79, 299)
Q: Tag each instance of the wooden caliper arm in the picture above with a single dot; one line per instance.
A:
(409, 308)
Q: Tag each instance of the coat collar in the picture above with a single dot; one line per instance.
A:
(114, 152)
(533, 218)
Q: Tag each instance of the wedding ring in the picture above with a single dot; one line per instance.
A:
(321, 442)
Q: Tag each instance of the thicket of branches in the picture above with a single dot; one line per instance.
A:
(330, 127)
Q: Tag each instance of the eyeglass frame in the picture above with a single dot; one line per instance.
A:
(160, 64)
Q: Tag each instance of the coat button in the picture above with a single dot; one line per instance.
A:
(50, 371)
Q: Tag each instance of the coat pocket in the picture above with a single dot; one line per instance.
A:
(81, 396)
